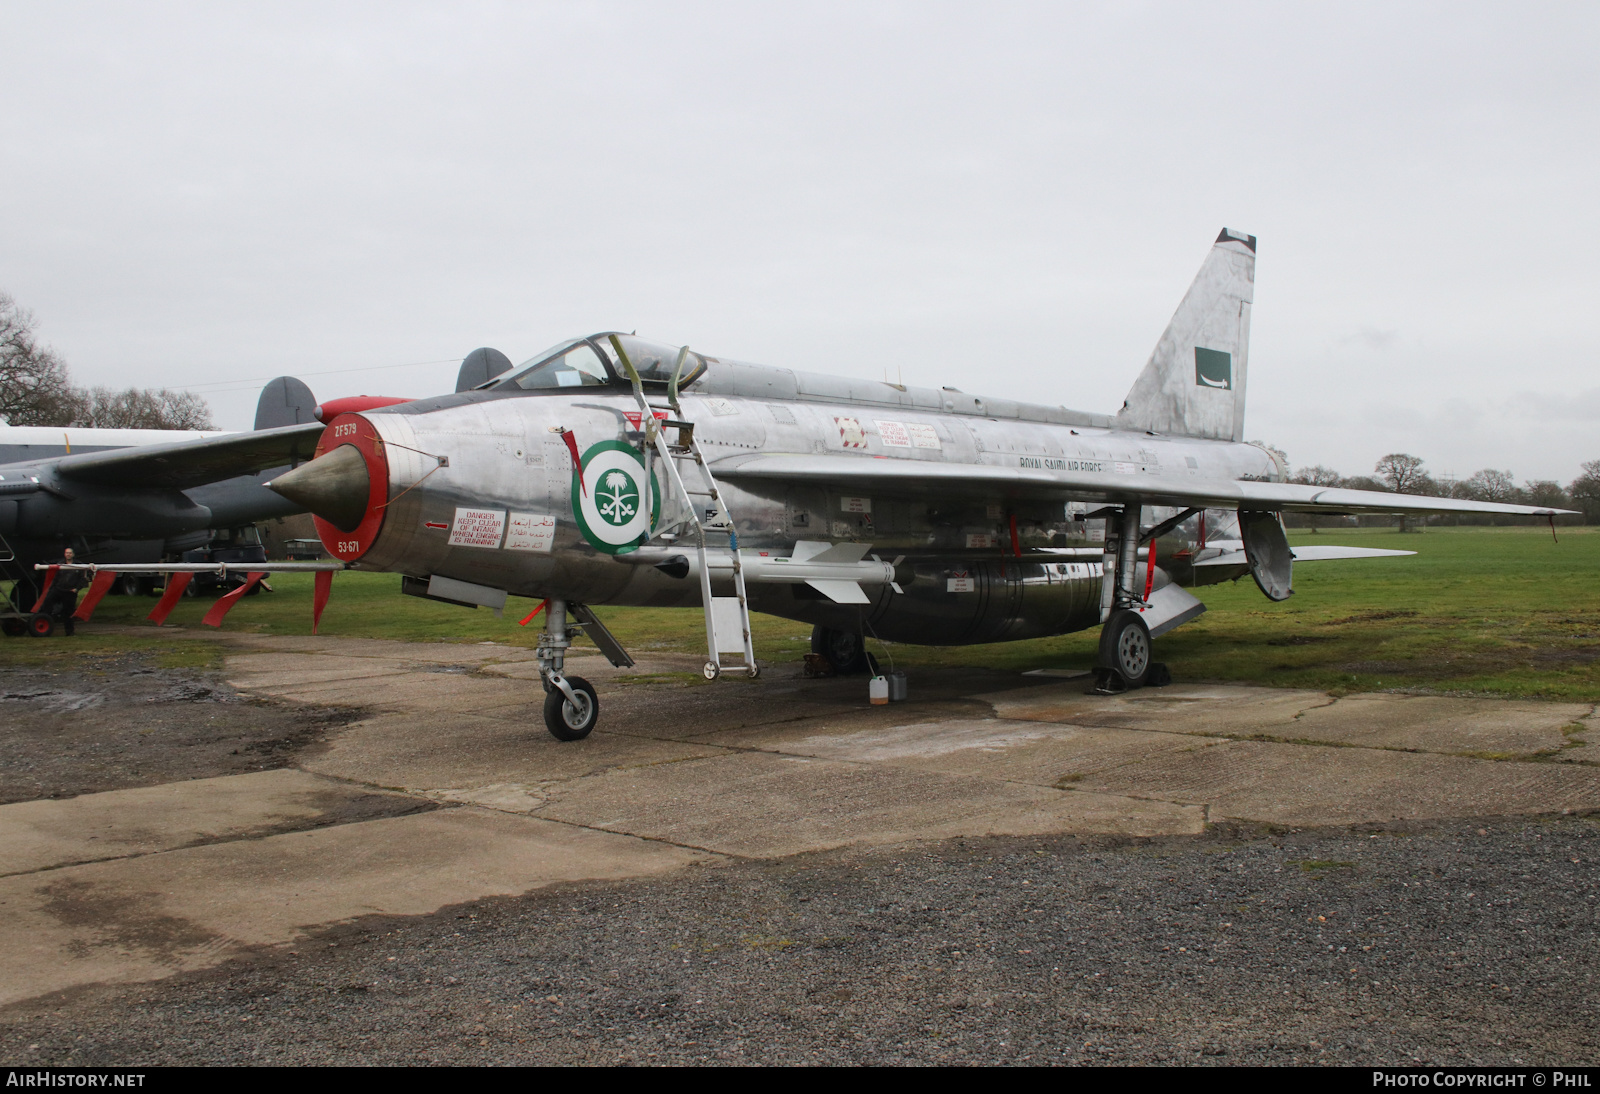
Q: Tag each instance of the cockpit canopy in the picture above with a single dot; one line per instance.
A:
(592, 362)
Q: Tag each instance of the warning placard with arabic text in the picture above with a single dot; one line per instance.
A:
(531, 532)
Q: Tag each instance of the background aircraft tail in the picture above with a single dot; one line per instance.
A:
(480, 366)
(285, 401)
(1193, 385)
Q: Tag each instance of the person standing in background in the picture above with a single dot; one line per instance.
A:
(62, 599)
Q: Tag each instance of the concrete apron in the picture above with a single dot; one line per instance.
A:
(452, 791)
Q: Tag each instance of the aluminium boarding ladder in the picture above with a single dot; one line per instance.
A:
(727, 617)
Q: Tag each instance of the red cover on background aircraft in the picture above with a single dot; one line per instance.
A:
(353, 404)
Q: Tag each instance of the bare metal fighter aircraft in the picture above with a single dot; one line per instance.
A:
(608, 470)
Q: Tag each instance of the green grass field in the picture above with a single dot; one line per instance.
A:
(1492, 611)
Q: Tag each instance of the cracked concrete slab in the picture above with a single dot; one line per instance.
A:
(1215, 708)
(444, 653)
(39, 835)
(682, 772)
(1504, 728)
(1307, 785)
(471, 751)
(290, 677)
(757, 804)
(408, 690)
(1041, 753)
(153, 915)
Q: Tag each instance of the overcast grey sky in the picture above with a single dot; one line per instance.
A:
(1006, 198)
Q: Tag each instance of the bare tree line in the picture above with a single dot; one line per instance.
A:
(37, 389)
(1403, 473)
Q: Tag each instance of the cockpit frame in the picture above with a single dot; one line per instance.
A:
(591, 362)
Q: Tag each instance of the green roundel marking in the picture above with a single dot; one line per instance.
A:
(610, 513)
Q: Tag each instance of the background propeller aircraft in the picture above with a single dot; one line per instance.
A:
(139, 495)
(609, 470)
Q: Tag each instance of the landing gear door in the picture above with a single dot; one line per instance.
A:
(1267, 548)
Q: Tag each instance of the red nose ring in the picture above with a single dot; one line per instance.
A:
(357, 432)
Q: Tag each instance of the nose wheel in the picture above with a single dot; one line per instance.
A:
(571, 718)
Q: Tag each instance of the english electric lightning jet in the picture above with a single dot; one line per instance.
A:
(609, 470)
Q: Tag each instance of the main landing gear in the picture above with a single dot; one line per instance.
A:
(571, 707)
(846, 652)
(1125, 650)
(1125, 660)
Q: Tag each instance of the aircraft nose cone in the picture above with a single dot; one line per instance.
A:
(335, 487)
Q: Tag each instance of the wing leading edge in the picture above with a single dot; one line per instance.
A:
(187, 464)
(925, 476)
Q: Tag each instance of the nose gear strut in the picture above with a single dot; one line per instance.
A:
(571, 707)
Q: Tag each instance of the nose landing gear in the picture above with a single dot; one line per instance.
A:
(571, 706)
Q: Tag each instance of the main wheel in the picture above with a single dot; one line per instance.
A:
(846, 652)
(130, 585)
(13, 627)
(41, 625)
(569, 721)
(1125, 646)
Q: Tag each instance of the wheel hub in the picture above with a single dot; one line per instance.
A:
(576, 713)
(1133, 652)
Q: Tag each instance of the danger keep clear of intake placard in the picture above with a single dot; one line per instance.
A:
(478, 528)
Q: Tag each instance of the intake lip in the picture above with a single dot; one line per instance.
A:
(335, 487)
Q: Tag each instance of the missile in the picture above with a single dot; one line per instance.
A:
(835, 570)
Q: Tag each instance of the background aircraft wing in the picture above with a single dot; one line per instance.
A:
(984, 481)
(184, 464)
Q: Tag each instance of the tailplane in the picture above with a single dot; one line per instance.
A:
(1193, 385)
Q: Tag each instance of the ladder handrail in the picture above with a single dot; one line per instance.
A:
(677, 373)
(655, 439)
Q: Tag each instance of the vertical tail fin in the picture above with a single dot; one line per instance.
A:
(285, 401)
(1194, 383)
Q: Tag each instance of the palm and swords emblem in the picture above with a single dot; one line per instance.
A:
(619, 505)
(611, 511)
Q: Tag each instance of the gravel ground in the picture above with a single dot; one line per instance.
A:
(1457, 943)
(109, 723)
